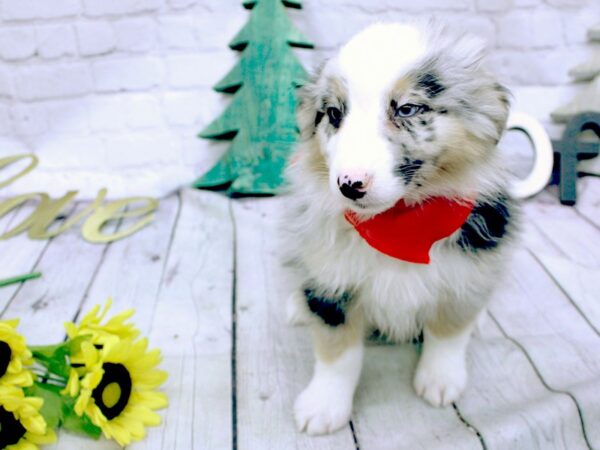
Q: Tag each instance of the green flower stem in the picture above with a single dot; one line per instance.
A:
(19, 279)
(48, 377)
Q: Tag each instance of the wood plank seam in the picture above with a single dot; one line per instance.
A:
(184, 284)
(548, 239)
(165, 424)
(94, 275)
(469, 426)
(586, 218)
(166, 258)
(37, 262)
(15, 214)
(40, 256)
(162, 280)
(354, 436)
(566, 294)
(234, 443)
(195, 357)
(546, 385)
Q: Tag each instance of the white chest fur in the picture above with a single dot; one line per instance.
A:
(396, 296)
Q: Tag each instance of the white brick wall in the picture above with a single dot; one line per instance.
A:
(113, 92)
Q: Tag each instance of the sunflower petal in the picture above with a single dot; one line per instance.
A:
(151, 399)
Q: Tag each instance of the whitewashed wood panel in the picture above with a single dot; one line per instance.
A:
(507, 402)
(8, 218)
(191, 322)
(575, 237)
(580, 283)
(273, 360)
(18, 255)
(561, 256)
(389, 415)
(535, 312)
(68, 265)
(588, 201)
(178, 273)
(132, 270)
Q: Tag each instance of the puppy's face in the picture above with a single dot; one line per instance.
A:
(400, 113)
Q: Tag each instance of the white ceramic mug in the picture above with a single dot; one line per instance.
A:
(543, 155)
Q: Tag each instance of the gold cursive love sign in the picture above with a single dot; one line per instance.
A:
(48, 210)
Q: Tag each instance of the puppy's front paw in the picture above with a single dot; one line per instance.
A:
(440, 382)
(321, 411)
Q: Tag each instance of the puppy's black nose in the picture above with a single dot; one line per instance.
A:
(351, 189)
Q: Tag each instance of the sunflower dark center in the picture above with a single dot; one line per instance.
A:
(5, 355)
(114, 390)
(11, 430)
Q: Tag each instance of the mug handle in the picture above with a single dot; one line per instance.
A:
(543, 161)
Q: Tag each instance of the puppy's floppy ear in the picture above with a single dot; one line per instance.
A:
(488, 97)
(471, 91)
(467, 50)
(501, 105)
(452, 47)
(309, 112)
(486, 107)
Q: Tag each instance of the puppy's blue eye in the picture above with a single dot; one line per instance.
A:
(407, 110)
(335, 116)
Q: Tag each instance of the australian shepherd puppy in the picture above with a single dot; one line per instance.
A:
(403, 112)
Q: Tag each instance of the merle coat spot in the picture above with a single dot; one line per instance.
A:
(487, 224)
(431, 84)
(318, 117)
(408, 169)
(331, 309)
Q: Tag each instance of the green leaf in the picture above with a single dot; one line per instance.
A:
(59, 410)
(52, 409)
(46, 350)
(78, 424)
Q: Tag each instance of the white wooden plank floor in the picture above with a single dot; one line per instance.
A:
(208, 281)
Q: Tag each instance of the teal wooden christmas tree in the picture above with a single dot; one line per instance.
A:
(261, 119)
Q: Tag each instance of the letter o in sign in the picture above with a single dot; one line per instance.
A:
(543, 156)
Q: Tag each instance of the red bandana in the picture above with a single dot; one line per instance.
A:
(408, 232)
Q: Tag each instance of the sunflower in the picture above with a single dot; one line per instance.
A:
(117, 391)
(21, 425)
(114, 328)
(14, 355)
